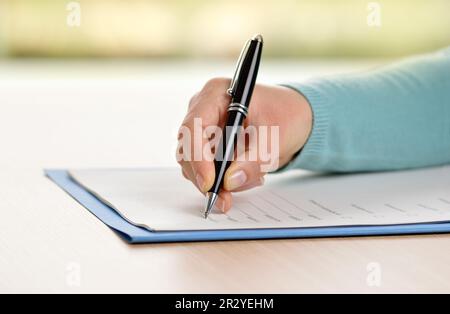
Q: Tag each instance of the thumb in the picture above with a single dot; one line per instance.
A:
(244, 173)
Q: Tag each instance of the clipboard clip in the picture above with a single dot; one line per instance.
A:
(232, 89)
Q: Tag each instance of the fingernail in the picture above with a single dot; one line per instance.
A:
(220, 205)
(200, 182)
(237, 180)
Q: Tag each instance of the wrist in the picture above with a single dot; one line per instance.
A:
(299, 126)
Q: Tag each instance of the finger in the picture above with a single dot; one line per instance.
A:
(213, 97)
(245, 172)
(224, 202)
(251, 185)
(195, 155)
(200, 170)
(206, 113)
(187, 171)
(186, 168)
(185, 174)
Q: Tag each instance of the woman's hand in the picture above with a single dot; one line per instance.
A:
(271, 106)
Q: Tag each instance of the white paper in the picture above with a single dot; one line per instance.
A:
(162, 200)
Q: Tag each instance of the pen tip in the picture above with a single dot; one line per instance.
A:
(258, 37)
(211, 199)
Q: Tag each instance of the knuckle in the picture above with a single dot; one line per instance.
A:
(193, 100)
(217, 82)
(179, 157)
(184, 174)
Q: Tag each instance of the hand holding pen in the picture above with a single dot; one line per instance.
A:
(267, 106)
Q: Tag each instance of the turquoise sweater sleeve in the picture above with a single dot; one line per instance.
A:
(395, 117)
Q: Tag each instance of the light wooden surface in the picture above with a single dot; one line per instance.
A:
(110, 116)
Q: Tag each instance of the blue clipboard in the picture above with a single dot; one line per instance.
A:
(135, 235)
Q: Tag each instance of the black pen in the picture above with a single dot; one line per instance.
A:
(241, 90)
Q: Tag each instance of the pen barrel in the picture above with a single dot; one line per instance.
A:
(241, 90)
(225, 151)
(248, 72)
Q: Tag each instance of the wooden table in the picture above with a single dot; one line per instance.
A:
(109, 115)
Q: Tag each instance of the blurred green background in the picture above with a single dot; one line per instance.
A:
(218, 28)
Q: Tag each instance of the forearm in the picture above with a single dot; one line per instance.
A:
(393, 118)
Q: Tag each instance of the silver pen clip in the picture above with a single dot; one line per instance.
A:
(231, 90)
